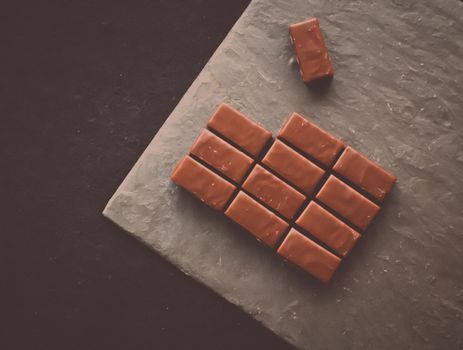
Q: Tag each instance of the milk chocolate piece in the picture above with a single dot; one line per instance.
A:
(365, 173)
(309, 256)
(293, 167)
(239, 129)
(221, 155)
(311, 51)
(328, 228)
(209, 187)
(255, 218)
(274, 192)
(347, 202)
(310, 139)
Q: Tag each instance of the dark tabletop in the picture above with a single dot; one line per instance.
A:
(84, 87)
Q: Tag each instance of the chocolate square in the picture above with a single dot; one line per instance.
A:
(256, 219)
(347, 202)
(274, 192)
(311, 52)
(239, 129)
(209, 187)
(365, 173)
(293, 167)
(309, 256)
(310, 139)
(330, 230)
(222, 156)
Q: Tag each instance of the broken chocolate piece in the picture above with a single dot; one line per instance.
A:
(239, 129)
(328, 228)
(255, 218)
(209, 187)
(347, 202)
(312, 55)
(309, 256)
(292, 166)
(274, 192)
(364, 173)
(221, 155)
(310, 139)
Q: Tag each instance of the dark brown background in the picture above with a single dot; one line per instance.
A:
(84, 86)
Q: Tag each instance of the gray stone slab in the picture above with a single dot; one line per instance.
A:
(397, 97)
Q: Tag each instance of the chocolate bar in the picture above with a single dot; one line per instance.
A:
(271, 195)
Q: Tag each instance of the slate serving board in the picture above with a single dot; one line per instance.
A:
(397, 97)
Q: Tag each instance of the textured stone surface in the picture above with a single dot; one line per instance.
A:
(396, 97)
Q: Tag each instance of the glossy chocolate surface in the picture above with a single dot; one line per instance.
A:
(239, 129)
(311, 139)
(309, 256)
(311, 52)
(328, 228)
(365, 173)
(255, 218)
(209, 187)
(274, 192)
(292, 166)
(221, 155)
(347, 202)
